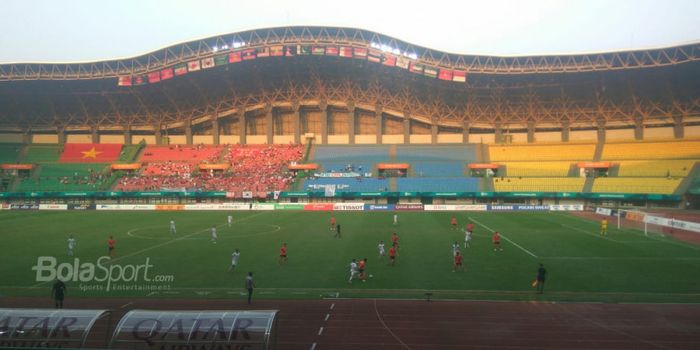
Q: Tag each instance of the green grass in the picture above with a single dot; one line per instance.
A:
(624, 267)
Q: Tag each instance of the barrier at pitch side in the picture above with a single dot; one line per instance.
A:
(49, 328)
(150, 329)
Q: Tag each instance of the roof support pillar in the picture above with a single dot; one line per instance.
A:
(188, 132)
(158, 134)
(296, 120)
(638, 128)
(27, 137)
(127, 134)
(94, 134)
(498, 132)
(61, 131)
(379, 120)
(465, 131)
(530, 131)
(678, 131)
(406, 127)
(215, 129)
(351, 123)
(434, 131)
(601, 129)
(269, 124)
(242, 125)
(565, 129)
(323, 106)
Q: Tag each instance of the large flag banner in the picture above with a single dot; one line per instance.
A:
(345, 51)
(166, 74)
(360, 52)
(193, 66)
(124, 81)
(277, 50)
(430, 72)
(153, 77)
(140, 80)
(234, 57)
(263, 52)
(290, 50)
(220, 60)
(332, 51)
(445, 74)
(402, 62)
(249, 54)
(208, 62)
(303, 49)
(459, 76)
(318, 50)
(415, 68)
(329, 191)
(181, 69)
(374, 56)
(389, 60)
(90, 153)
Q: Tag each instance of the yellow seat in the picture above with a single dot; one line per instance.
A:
(652, 168)
(543, 152)
(539, 184)
(657, 185)
(652, 150)
(537, 168)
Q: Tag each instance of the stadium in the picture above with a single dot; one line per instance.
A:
(276, 137)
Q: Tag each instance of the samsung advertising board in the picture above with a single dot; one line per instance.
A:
(518, 207)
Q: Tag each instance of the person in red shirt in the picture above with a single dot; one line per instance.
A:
(496, 239)
(392, 255)
(283, 254)
(332, 223)
(111, 244)
(453, 222)
(458, 262)
(470, 227)
(361, 268)
(395, 240)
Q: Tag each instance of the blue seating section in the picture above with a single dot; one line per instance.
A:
(412, 184)
(438, 169)
(348, 184)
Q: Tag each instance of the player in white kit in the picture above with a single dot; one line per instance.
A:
(71, 245)
(381, 249)
(230, 220)
(173, 230)
(353, 270)
(455, 248)
(467, 239)
(214, 236)
(234, 259)
(396, 219)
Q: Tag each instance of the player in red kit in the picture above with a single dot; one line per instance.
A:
(496, 239)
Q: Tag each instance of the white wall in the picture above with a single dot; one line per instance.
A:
(449, 138)
(44, 138)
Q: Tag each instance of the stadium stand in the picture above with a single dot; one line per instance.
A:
(66, 177)
(129, 153)
(9, 152)
(550, 168)
(194, 154)
(652, 150)
(90, 152)
(542, 152)
(636, 185)
(42, 153)
(539, 184)
(462, 153)
(438, 184)
(348, 184)
(652, 168)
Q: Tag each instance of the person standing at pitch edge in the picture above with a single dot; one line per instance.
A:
(58, 291)
(541, 275)
(249, 285)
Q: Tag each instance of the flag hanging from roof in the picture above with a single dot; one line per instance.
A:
(277, 50)
(90, 153)
(181, 69)
(303, 49)
(402, 62)
(345, 51)
(166, 74)
(430, 72)
(290, 50)
(221, 60)
(318, 50)
(248, 54)
(416, 68)
(459, 76)
(208, 62)
(140, 80)
(234, 57)
(263, 52)
(331, 51)
(153, 77)
(124, 80)
(193, 66)
(445, 74)
(374, 56)
(389, 60)
(360, 52)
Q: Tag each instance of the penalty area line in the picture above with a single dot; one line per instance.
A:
(506, 238)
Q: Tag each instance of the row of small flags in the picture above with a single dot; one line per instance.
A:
(370, 55)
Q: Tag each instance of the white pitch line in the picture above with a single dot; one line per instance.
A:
(320, 330)
(332, 306)
(313, 346)
(327, 317)
(506, 238)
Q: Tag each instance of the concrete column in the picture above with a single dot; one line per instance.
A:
(127, 135)
(94, 135)
(296, 120)
(601, 129)
(351, 123)
(188, 132)
(242, 126)
(434, 131)
(678, 130)
(323, 106)
(61, 131)
(270, 124)
(215, 128)
(498, 132)
(27, 137)
(565, 129)
(378, 110)
(406, 127)
(158, 134)
(638, 128)
(530, 131)
(465, 131)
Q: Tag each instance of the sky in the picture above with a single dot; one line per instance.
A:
(90, 30)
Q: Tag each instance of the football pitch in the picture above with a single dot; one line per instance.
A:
(624, 266)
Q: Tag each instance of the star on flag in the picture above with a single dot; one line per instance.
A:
(92, 153)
